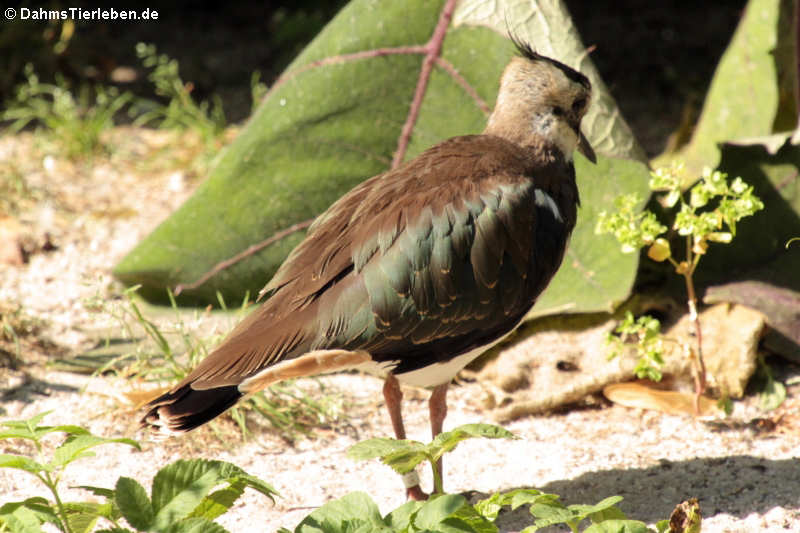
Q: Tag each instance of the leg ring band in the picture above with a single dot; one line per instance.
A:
(411, 479)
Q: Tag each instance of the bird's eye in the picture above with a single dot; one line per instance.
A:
(557, 111)
(579, 104)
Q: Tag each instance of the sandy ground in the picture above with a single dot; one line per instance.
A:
(746, 480)
(745, 472)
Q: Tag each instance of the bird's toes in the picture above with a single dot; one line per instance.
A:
(415, 493)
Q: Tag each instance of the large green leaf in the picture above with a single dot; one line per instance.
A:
(195, 525)
(447, 441)
(753, 89)
(491, 506)
(618, 526)
(468, 519)
(759, 249)
(402, 455)
(401, 518)
(31, 430)
(41, 508)
(434, 511)
(77, 446)
(219, 502)
(20, 462)
(180, 489)
(83, 516)
(353, 512)
(338, 116)
(17, 518)
(132, 500)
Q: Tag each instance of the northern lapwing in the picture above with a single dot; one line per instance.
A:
(415, 272)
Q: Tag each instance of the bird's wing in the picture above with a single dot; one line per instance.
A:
(452, 268)
(414, 266)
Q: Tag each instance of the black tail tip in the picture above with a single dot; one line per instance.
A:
(184, 409)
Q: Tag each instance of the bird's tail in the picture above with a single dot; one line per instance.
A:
(195, 400)
(184, 408)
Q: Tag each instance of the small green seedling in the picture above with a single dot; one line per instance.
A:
(188, 495)
(404, 455)
(181, 111)
(772, 392)
(710, 213)
(645, 331)
(76, 121)
(182, 498)
(450, 513)
(29, 515)
(547, 510)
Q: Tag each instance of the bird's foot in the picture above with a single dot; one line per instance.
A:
(415, 493)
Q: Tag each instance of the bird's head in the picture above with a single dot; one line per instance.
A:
(542, 99)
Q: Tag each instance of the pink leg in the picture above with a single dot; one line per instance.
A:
(393, 397)
(437, 406)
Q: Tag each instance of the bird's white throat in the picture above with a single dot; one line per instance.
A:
(557, 131)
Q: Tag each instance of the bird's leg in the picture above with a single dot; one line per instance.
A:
(393, 397)
(437, 406)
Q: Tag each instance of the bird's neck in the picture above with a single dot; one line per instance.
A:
(540, 138)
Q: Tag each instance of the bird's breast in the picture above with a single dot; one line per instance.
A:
(434, 374)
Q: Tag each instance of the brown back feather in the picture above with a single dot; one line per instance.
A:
(308, 290)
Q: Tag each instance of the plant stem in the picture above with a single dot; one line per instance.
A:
(62, 513)
(438, 485)
(700, 370)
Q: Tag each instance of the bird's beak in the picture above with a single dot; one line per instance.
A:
(585, 148)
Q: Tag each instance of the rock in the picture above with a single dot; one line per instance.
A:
(560, 360)
(731, 334)
(780, 305)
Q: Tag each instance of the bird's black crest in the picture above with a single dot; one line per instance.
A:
(527, 52)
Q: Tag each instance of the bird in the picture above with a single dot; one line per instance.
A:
(416, 271)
